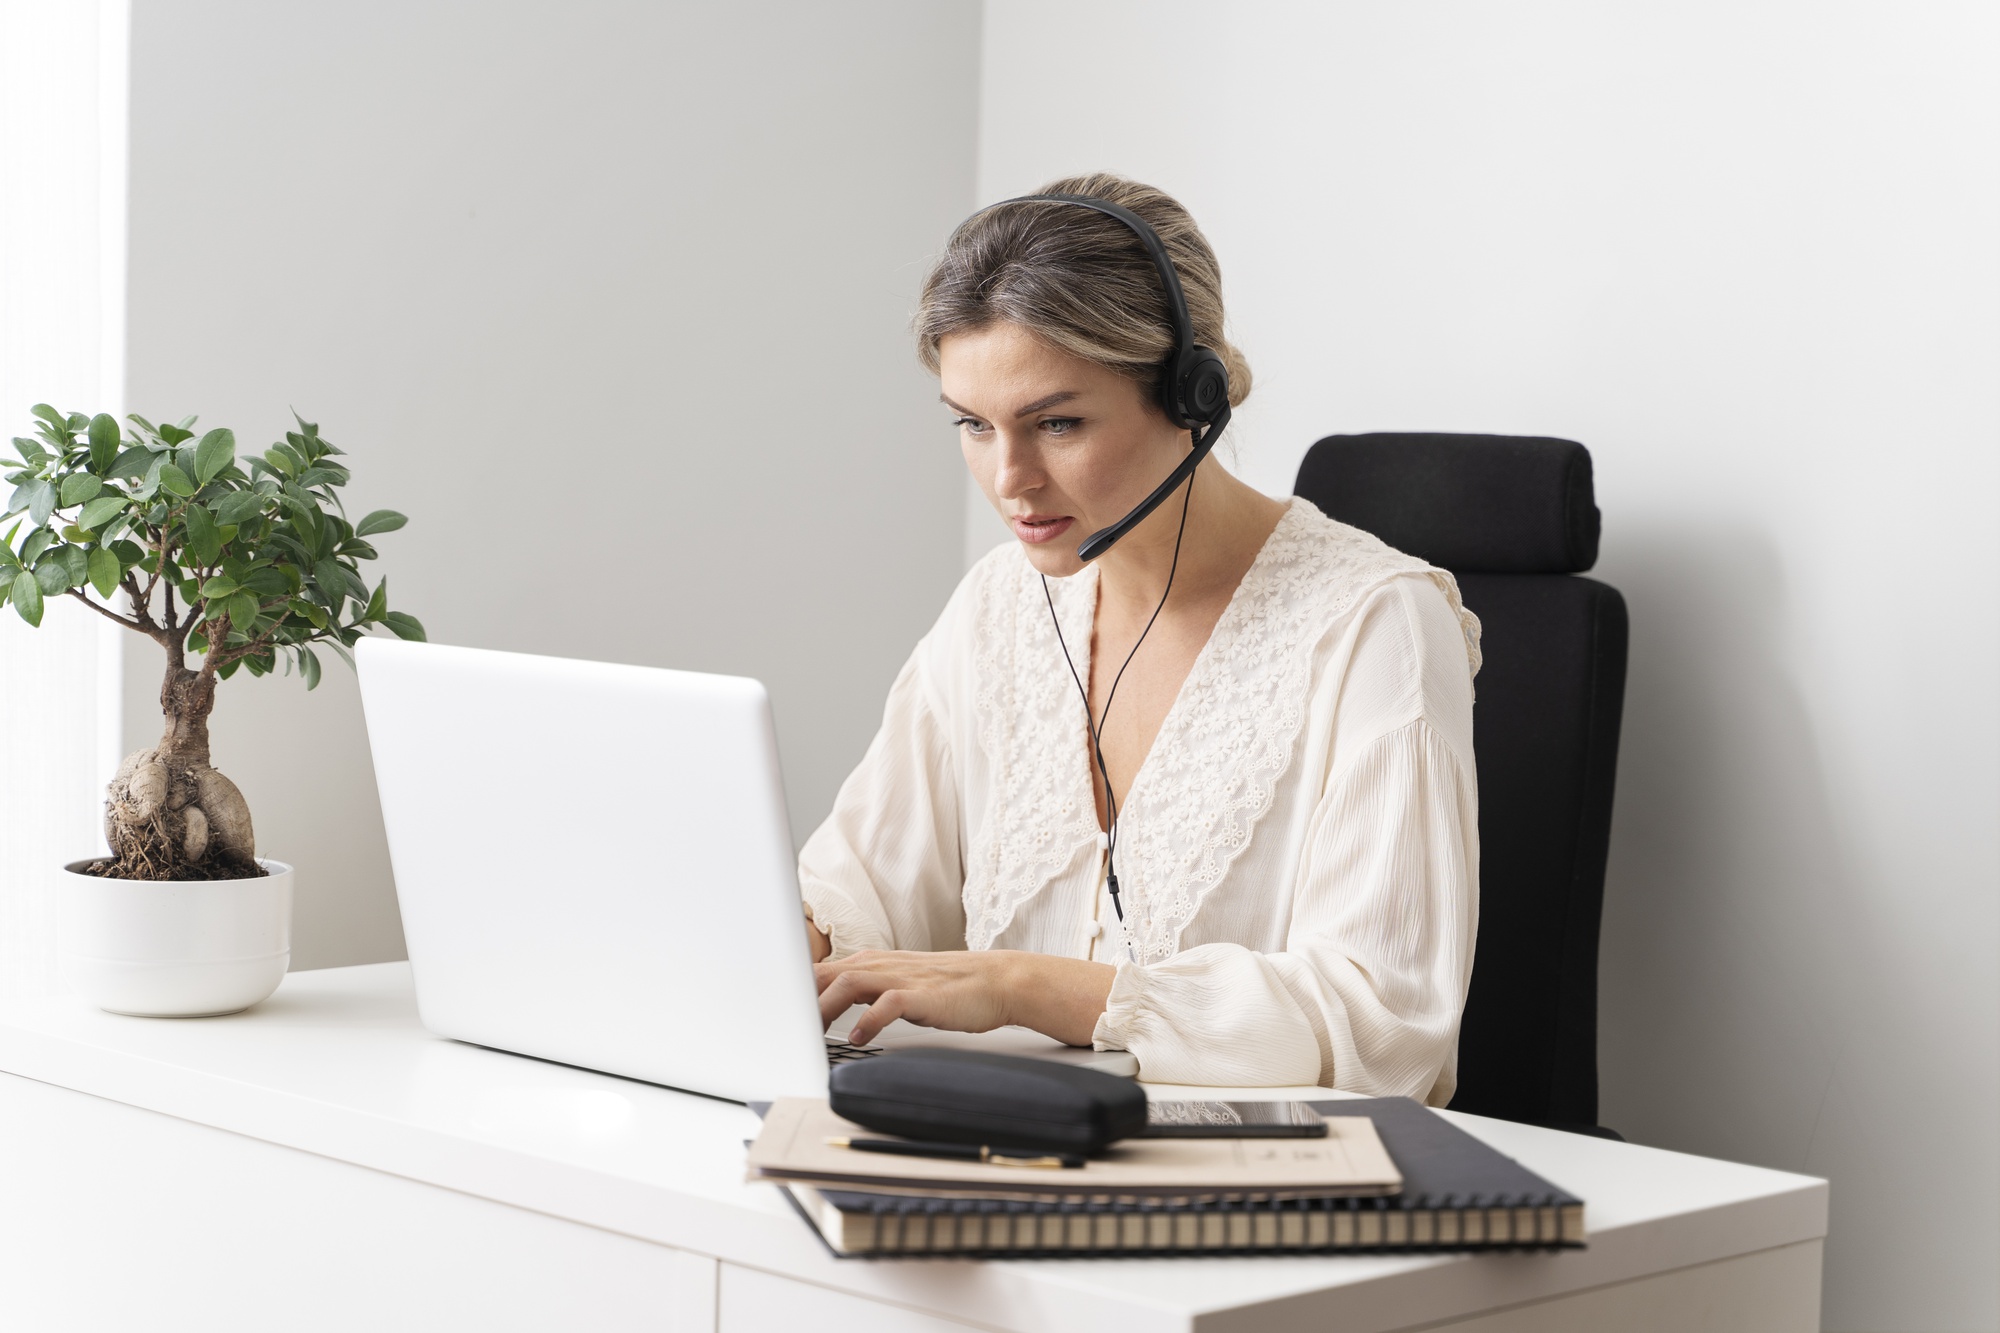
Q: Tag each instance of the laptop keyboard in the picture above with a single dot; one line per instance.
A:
(839, 1052)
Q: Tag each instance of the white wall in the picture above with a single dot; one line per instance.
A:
(1746, 253)
(62, 254)
(612, 299)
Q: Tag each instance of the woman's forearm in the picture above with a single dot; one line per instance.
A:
(1058, 997)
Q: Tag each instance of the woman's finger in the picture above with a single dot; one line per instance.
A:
(864, 959)
(849, 989)
(888, 1007)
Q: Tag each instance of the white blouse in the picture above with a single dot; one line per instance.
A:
(1298, 856)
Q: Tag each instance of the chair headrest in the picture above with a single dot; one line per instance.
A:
(1472, 504)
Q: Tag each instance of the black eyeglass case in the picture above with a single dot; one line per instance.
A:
(946, 1096)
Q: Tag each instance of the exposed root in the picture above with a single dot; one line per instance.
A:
(169, 819)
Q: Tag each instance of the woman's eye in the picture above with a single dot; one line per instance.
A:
(1061, 425)
(972, 424)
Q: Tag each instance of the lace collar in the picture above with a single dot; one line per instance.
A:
(1226, 741)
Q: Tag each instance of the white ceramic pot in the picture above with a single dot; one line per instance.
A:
(174, 948)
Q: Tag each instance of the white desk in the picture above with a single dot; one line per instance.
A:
(321, 1162)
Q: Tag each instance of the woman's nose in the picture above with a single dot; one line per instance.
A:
(1017, 466)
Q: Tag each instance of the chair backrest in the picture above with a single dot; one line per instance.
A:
(1514, 519)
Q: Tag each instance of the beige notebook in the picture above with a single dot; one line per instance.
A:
(1350, 1160)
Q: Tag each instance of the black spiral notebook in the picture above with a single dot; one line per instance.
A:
(1458, 1194)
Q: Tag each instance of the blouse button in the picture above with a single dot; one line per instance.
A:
(1103, 840)
(1092, 930)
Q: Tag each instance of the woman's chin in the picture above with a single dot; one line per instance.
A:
(1056, 560)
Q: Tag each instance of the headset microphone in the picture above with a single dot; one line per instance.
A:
(1194, 384)
(1102, 540)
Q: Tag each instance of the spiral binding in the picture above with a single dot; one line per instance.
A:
(915, 1227)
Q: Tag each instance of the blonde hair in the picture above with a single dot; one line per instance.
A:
(1080, 281)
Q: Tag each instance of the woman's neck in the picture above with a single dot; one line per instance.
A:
(1228, 522)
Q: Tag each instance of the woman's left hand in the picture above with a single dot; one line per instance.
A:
(966, 991)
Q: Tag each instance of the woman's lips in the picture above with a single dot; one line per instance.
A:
(1036, 530)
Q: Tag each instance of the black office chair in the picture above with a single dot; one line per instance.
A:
(1514, 519)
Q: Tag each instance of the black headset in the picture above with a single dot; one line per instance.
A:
(1194, 393)
(1194, 384)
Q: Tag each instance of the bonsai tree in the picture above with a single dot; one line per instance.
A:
(248, 565)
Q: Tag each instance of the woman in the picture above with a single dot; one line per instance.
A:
(1285, 783)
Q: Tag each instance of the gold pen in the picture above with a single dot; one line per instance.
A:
(962, 1152)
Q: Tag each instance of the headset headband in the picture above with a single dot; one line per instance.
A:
(1169, 278)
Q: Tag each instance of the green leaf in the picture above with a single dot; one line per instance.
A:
(175, 434)
(174, 481)
(204, 541)
(306, 611)
(378, 602)
(239, 507)
(37, 497)
(332, 581)
(76, 561)
(219, 586)
(283, 461)
(132, 463)
(38, 541)
(305, 514)
(103, 442)
(267, 583)
(100, 511)
(50, 415)
(226, 672)
(382, 520)
(53, 577)
(128, 553)
(104, 572)
(78, 487)
(309, 668)
(242, 612)
(28, 597)
(216, 451)
(404, 626)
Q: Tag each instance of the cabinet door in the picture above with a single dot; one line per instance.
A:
(114, 1218)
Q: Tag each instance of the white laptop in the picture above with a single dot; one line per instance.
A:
(594, 866)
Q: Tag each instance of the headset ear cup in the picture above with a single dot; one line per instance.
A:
(1202, 384)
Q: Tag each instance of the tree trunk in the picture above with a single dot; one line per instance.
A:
(168, 814)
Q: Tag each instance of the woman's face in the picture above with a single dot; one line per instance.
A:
(1061, 446)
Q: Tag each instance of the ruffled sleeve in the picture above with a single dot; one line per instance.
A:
(884, 870)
